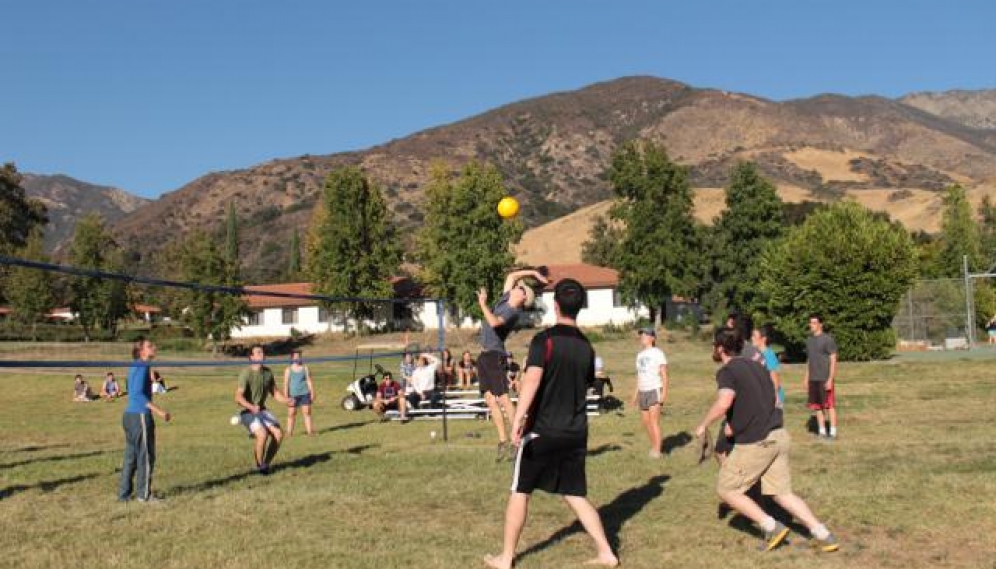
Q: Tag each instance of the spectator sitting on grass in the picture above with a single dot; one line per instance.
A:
(110, 390)
(81, 390)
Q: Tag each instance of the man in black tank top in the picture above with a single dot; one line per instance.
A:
(551, 427)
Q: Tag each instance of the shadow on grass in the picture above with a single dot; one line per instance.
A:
(614, 515)
(303, 462)
(768, 504)
(604, 449)
(345, 426)
(46, 486)
(35, 448)
(672, 442)
(58, 458)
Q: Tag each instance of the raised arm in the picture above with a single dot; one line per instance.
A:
(514, 276)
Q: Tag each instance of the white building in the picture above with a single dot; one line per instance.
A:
(276, 316)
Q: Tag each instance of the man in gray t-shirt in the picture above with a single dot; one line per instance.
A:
(496, 326)
(821, 370)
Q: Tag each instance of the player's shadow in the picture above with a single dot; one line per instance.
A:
(345, 426)
(44, 486)
(614, 515)
(58, 458)
(672, 442)
(35, 448)
(604, 449)
(302, 462)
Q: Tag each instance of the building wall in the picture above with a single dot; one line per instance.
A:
(600, 311)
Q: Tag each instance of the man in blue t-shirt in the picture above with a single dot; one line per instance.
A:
(498, 323)
(139, 428)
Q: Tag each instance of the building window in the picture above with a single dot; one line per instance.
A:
(255, 318)
(323, 315)
(289, 316)
(617, 299)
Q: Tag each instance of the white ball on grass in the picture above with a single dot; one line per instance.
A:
(234, 420)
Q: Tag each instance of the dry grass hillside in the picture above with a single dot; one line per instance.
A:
(552, 152)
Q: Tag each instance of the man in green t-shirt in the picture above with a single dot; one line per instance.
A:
(256, 383)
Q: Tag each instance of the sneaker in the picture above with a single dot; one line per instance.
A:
(654, 454)
(829, 544)
(263, 469)
(774, 537)
(152, 499)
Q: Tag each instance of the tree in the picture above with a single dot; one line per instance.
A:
(659, 251)
(753, 218)
(602, 246)
(96, 302)
(210, 315)
(987, 232)
(232, 240)
(353, 246)
(294, 259)
(846, 265)
(19, 215)
(30, 290)
(464, 244)
(959, 236)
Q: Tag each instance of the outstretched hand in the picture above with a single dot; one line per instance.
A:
(482, 296)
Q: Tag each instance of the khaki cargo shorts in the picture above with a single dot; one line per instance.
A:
(767, 461)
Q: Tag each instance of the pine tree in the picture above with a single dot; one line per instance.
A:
(352, 245)
(18, 214)
(30, 291)
(959, 236)
(464, 244)
(602, 246)
(294, 260)
(753, 218)
(211, 315)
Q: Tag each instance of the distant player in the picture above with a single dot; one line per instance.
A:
(551, 427)
(139, 428)
(498, 323)
(651, 387)
(299, 389)
(746, 397)
(256, 383)
(821, 371)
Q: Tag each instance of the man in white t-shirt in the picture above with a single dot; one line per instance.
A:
(651, 387)
(423, 383)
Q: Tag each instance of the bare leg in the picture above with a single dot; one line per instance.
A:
(515, 519)
(271, 451)
(654, 427)
(291, 416)
(496, 416)
(833, 416)
(259, 447)
(308, 427)
(821, 426)
(508, 407)
(589, 518)
(743, 504)
(798, 508)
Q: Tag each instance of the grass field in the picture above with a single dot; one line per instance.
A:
(910, 483)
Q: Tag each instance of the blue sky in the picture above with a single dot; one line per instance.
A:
(148, 95)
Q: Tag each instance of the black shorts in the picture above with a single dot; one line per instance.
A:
(552, 464)
(492, 374)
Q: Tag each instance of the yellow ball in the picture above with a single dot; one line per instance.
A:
(508, 207)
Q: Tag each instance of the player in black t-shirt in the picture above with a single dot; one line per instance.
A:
(551, 427)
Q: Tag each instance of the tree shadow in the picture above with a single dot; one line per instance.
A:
(672, 442)
(302, 462)
(45, 486)
(345, 426)
(58, 458)
(614, 515)
(604, 449)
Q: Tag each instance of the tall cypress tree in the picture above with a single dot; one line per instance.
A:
(959, 235)
(353, 246)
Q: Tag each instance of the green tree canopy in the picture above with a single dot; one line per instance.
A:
(753, 218)
(959, 236)
(845, 264)
(602, 246)
(97, 303)
(659, 255)
(464, 244)
(352, 248)
(30, 291)
(211, 315)
(19, 215)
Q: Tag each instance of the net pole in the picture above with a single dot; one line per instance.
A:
(969, 324)
(440, 307)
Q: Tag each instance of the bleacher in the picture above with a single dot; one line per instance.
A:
(470, 404)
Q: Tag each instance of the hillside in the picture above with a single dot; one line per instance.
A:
(68, 200)
(553, 150)
(975, 109)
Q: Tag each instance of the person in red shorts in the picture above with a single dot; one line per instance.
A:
(821, 371)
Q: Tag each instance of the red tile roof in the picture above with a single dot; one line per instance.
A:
(591, 276)
(404, 287)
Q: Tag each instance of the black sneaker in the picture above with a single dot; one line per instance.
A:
(829, 544)
(774, 538)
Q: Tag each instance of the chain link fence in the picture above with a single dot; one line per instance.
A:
(933, 314)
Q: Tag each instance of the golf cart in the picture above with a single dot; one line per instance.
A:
(361, 392)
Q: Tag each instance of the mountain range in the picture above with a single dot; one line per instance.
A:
(891, 154)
